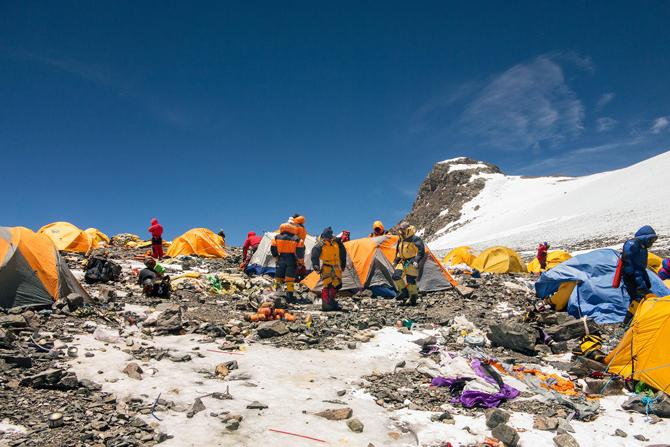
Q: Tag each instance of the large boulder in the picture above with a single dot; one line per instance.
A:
(514, 336)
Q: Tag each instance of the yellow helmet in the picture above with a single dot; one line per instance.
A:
(378, 224)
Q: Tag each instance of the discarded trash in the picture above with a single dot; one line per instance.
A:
(106, 335)
(295, 434)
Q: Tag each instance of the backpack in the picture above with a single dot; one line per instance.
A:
(101, 270)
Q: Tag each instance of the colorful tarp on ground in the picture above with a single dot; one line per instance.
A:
(593, 295)
(197, 242)
(32, 273)
(643, 352)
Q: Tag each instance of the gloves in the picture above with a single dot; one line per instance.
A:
(415, 264)
(317, 268)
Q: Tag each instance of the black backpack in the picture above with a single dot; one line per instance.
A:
(101, 270)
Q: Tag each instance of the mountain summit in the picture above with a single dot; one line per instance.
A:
(468, 202)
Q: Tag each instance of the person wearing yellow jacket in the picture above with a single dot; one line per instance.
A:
(409, 253)
(289, 252)
(329, 259)
(377, 229)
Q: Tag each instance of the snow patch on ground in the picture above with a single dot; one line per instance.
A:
(294, 385)
(465, 167)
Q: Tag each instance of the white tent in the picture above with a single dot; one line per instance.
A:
(262, 262)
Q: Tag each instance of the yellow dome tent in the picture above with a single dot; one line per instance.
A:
(553, 259)
(459, 255)
(198, 242)
(32, 273)
(98, 238)
(654, 262)
(499, 260)
(643, 354)
(67, 237)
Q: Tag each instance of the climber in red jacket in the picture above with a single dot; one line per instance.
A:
(542, 250)
(249, 248)
(156, 231)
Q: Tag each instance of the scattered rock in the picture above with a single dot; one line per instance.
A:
(570, 330)
(620, 433)
(506, 434)
(13, 321)
(269, 329)
(545, 423)
(495, 417)
(515, 336)
(336, 414)
(196, 408)
(255, 405)
(565, 440)
(642, 438)
(133, 370)
(355, 425)
(564, 427)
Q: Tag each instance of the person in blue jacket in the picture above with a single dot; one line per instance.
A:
(664, 272)
(634, 268)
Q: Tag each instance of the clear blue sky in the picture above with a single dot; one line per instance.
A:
(237, 114)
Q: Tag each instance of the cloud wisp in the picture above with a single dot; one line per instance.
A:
(529, 106)
(105, 78)
(605, 124)
(604, 99)
(660, 124)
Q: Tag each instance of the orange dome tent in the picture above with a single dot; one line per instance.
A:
(68, 237)
(198, 242)
(32, 273)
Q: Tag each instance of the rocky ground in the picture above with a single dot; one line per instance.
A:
(44, 403)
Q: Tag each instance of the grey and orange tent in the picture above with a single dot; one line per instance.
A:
(370, 266)
(32, 273)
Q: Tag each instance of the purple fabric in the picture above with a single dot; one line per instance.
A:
(471, 399)
(446, 381)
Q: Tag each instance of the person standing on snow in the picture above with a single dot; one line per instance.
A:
(249, 247)
(542, 250)
(409, 253)
(289, 252)
(634, 268)
(664, 272)
(223, 238)
(329, 259)
(378, 229)
(156, 231)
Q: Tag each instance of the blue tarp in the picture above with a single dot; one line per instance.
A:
(594, 295)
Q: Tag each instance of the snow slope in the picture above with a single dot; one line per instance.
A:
(517, 211)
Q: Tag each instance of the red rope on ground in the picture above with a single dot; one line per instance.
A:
(295, 434)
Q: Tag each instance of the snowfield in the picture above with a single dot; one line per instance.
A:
(297, 384)
(517, 211)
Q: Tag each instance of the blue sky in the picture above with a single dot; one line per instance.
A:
(234, 115)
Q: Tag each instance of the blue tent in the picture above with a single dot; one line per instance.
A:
(593, 295)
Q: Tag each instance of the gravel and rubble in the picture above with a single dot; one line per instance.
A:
(210, 305)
